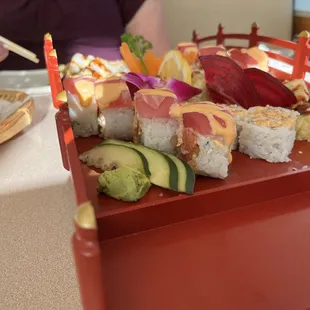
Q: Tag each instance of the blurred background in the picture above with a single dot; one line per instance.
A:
(301, 16)
(277, 18)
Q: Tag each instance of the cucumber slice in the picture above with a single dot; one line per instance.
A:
(164, 172)
(109, 156)
(186, 180)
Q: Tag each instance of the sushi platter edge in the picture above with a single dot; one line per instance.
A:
(143, 216)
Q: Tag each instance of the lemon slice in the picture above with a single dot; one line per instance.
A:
(175, 66)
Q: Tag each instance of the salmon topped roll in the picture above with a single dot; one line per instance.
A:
(205, 137)
(116, 113)
(154, 127)
(268, 133)
(83, 109)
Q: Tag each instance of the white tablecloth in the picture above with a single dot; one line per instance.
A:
(36, 210)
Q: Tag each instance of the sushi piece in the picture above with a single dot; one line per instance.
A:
(213, 50)
(205, 137)
(268, 133)
(303, 127)
(300, 90)
(106, 69)
(83, 109)
(77, 64)
(199, 81)
(238, 114)
(189, 50)
(116, 113)
(153, 125)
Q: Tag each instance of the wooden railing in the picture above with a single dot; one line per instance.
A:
(301, 49)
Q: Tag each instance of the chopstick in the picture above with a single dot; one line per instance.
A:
(19, 50)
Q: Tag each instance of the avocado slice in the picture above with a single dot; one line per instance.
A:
(108, 156)
(164, 172)
(186, 180)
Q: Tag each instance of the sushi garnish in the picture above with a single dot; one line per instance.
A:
(182, 90)
(138, 55)
(228, 83)
(270, 90)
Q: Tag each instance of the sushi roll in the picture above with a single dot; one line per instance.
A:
(300, 90)
(268, 133)
(83, 109)
(205, 137)
(105, 69)
(116, 113)
(238, 114)
(189, 50)
(199, 81)
(153, 125)
(78, 63)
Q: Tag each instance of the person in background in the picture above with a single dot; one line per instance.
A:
(90, 27)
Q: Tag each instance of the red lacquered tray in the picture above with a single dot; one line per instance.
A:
(136, 274)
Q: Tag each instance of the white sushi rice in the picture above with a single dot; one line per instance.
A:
(117, 123)
(271, 143)
(212, 159)
(158, 133)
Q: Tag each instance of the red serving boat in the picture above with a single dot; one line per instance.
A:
(176, 252)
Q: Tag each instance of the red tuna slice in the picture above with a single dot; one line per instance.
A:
(198, 122)
(112, 93)
(226, 80)
(211, 50)
(150, 103)
(244, 60)
(270, 90)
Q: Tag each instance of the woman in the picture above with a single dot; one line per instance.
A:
(86, 26)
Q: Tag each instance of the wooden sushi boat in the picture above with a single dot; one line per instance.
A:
(168, 252)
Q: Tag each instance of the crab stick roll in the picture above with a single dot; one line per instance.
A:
(205, 137)
(268, 133)
(116, 113)
(83, 110)
(238, 114)
(105, 68)
(154, 127)
(78, 63)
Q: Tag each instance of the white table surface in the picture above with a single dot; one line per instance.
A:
(37, 206)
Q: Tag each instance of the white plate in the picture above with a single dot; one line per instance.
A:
(33, 82)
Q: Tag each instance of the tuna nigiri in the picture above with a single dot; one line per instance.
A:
(154, 127)
(83, 110)
(116, 112)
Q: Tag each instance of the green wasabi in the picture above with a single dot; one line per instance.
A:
(124, 183)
